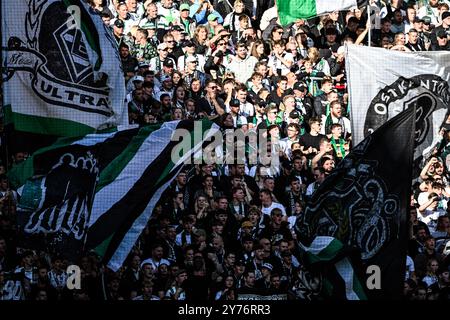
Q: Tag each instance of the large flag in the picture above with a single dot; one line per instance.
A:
(383, 83)
(362, 206)
(61, 69)
(291, 10)
(98, 191)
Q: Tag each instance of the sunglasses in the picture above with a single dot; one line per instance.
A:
(221, 43)
(213, 87)
(171, 41)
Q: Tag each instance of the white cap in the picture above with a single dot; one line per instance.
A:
(191, 59)
(138, 78)
(162, 46)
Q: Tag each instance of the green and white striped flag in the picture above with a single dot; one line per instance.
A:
(341, 279)
(133, 183)
(291, 10)
(131, 170)
(61, 69)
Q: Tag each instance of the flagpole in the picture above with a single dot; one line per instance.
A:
(370, 23)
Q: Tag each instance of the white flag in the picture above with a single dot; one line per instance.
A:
(383, 83)
(61, 68)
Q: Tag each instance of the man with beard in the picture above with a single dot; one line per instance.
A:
(336, 116)
(129, 63)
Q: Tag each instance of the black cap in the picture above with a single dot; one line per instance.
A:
(235, 103)
(418, 20)
(177, 28)
(294, 114)
(168, 63)
(119, 23)
(188, 43)
(300, 86)
(445, 15)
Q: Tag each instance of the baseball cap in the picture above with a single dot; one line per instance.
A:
(185, 6)
(426, 20)
(234, 103)
(168, 63)
(119, 23)
(177, 28)
(191, 59)
(188, 43)
(299, 86)
(294, 114)
(445, 15)
(247, 224)
(267, 266)
(162, 46)
(143, 64)
(138, 78)
(212, 17)
(418, 20)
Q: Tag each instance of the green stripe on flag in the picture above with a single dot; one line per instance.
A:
(291, 10)
(48, 126)
(358, 288)
(110, 173)
(102, 247)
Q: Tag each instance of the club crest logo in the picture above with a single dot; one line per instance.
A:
(369, 220)
(429, 93)
(56, 60)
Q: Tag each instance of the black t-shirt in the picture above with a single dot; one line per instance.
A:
(307, 140)
(204, 106)
(276, 235)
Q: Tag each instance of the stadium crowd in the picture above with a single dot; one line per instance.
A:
(221, 232)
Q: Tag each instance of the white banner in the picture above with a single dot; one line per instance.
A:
(60, 62)
(383, 83)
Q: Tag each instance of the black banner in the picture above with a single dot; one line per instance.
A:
(364, 203)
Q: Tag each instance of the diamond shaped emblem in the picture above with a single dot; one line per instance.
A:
(74, 53)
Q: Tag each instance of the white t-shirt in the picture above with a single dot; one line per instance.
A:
(275, 63)
(430, 217)
(274, 205)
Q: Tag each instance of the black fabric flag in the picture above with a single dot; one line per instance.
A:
(363, 205)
